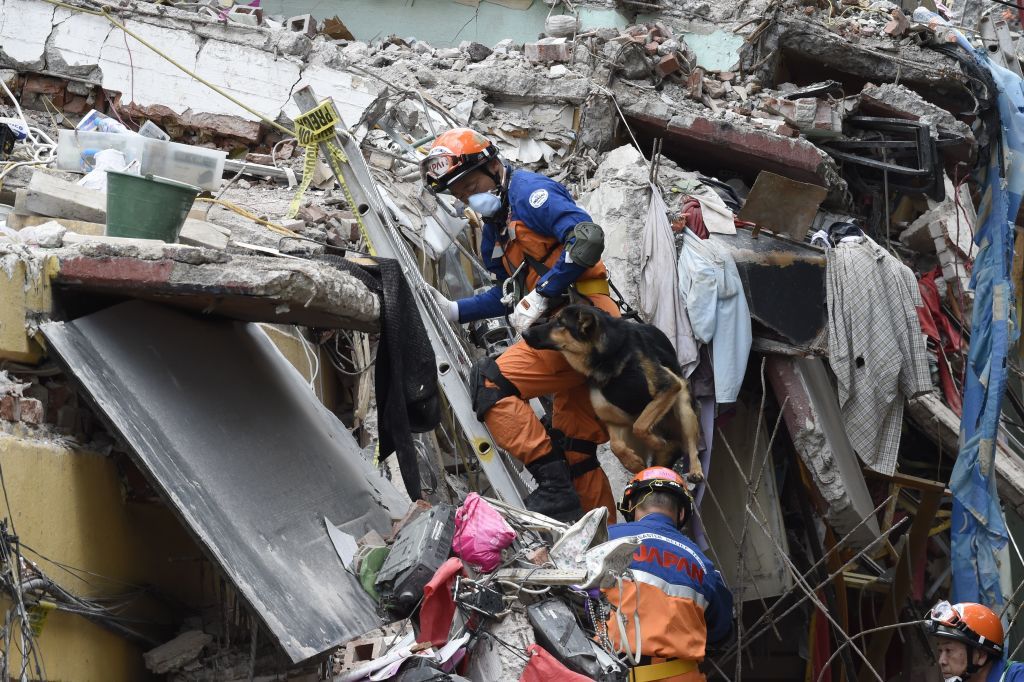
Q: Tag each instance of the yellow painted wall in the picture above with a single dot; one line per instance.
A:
(68, 505)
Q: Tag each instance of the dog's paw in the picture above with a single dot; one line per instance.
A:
(633, 463)
(695, 477)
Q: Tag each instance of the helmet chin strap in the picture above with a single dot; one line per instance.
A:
(972, 667)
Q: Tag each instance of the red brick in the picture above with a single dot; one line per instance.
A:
(76, 104)
(651, 48)
(43, 85)
(9, 408)
(785, 130)
(669, 64)
(548, 52)
(67, 418)
(31, 411)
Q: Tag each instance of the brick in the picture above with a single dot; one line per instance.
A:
(76, 104)
(43, 85)
(651, 48)
(67, 418)
(548, 51)
(784, 129)
(695, 84)
(669, 64)
(31, 411)
(9, 408)
(303, 23)
(246, 15)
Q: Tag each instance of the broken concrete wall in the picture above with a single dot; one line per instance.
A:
(616, 205)
(260, 67)
(795, 45)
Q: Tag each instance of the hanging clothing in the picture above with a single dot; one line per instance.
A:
(875, 344)
(691, 216)
(712, 291)
(943, 338)
(659, 293)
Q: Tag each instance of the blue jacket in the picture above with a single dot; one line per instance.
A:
(1014, 672)
(682, 602)
(547, 208)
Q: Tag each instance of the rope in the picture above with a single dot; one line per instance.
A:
(274, 227)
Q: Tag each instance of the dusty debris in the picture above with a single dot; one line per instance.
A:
(178, 652)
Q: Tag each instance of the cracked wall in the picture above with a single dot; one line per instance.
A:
(261, 68)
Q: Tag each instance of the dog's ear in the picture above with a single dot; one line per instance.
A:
(586, 323)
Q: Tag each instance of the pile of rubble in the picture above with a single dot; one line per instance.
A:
(785, 136)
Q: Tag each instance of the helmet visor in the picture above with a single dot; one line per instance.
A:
(436, 170)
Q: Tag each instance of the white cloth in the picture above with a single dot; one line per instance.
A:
(713, 292)
(718, 218)
(660, 301)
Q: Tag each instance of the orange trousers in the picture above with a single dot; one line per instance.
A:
(515, 426)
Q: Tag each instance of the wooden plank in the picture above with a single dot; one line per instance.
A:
(913, 550)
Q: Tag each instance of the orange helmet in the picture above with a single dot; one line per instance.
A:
(655, 480)
(975, 625)
(454, 154)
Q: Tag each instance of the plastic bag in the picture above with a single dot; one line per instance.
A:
(480, 533)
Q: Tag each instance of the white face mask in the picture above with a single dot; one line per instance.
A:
(486, 204)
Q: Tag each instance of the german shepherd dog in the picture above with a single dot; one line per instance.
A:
(636, 384)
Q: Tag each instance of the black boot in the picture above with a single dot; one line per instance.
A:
(554, 496)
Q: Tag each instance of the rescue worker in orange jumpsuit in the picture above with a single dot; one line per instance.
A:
(673, 596)
(541, 248)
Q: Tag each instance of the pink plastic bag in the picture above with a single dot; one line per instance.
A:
(480, 534)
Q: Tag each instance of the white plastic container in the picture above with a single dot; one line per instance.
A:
(75, 148)
(181, 162)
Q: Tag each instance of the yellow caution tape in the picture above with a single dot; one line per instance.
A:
(313, 128)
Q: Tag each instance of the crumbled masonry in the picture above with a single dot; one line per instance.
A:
(193, 428)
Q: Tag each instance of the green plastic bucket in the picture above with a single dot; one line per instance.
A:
(147, 207)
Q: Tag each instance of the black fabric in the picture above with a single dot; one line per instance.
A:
(484, 396)
(561, 443)
(554, 496)
(405, 378)
(585, 467)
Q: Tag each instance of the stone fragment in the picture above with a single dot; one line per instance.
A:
(478, 52)
(175, 654)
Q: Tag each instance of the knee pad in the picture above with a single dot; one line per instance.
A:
(484, 396)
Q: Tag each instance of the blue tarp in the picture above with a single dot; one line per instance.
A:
(979, 529)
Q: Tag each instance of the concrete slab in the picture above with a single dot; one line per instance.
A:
(252, 288)
(812, 417)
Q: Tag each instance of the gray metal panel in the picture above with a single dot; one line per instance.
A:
(232, 435)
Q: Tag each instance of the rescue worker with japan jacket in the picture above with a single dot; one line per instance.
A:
(542, 248)
(672, 603)
(969, 639)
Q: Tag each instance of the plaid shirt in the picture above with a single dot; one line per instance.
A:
(876, 347)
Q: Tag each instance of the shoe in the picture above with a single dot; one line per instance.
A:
(554, 496)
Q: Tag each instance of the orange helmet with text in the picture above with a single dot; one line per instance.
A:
(454, 154)
(655, 480)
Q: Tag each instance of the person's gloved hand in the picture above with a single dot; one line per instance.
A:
(528, 311)
(449, 307)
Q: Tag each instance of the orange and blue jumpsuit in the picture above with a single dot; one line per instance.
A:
(541, 218)
(680, 600)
